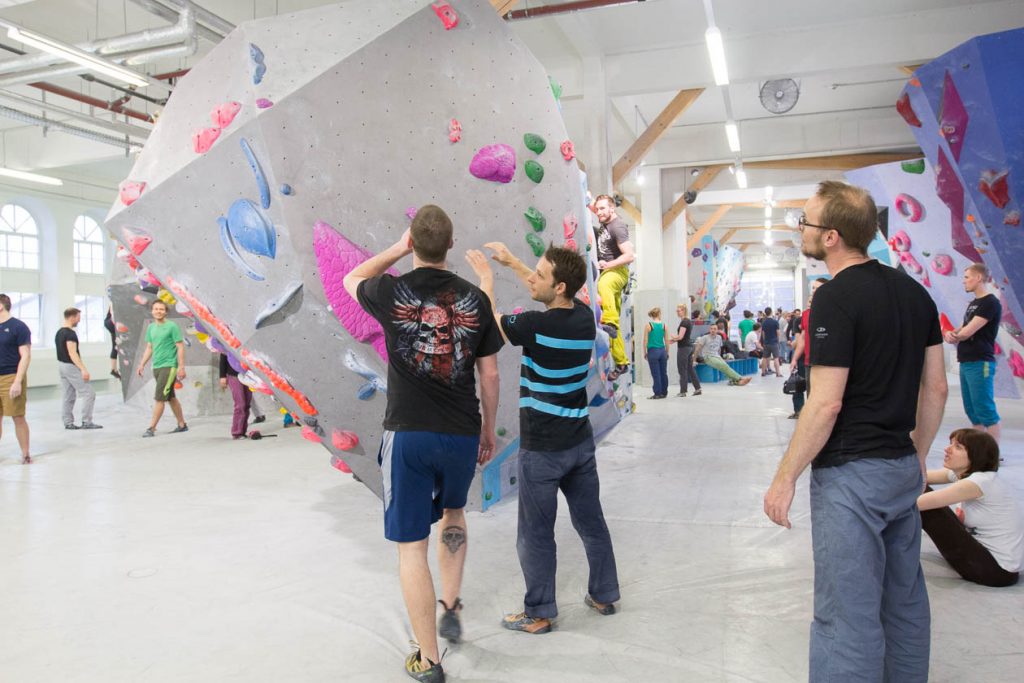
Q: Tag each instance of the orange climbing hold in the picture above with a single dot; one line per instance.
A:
(279, 382)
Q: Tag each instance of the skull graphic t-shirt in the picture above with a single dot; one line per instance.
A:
(435, 326)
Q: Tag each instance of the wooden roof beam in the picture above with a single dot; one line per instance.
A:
(639, 149)
(703, 180)
(503, 7)
(692, 241)
(837, 162)
(632, 211)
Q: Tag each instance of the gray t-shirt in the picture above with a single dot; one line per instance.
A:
(609, 237)
(710, 345)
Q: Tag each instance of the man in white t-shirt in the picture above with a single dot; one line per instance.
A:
(752, 343)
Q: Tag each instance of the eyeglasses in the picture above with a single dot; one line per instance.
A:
(804, 224)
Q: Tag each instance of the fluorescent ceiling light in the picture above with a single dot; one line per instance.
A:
(716, 50)
(31, 177)
(768, 211)
(72, 53)
(768, 190)
(768, 238)
(741, 178)
(732, 134)
(640, 178)
(767, 224)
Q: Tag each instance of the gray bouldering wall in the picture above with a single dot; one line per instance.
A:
(302, 144)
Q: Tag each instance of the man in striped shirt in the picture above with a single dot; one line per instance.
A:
(556, 439)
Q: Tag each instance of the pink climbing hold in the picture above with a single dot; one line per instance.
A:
(1016, 364)
(997, 349)
(309, 435)
(569, 225)
(996, 186)
(496, 163)
(130, 190)
(454, 130)
(202, 140)
(1012, 218)
(223, 114)
(340, 465)
(517, 310)
(264, 103)
(570, 244)
(953, 117)
(140, 300)
(146, 275)
(568, 150)
(121, 327)
(908, 207)
(942, 264)
(344, 440)
(910, 263)
(900, 241)
(447, 15)
(136, 240)
(411, 212)
(336, 256)
(126, 256)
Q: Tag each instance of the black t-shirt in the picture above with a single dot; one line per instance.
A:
(982, 344)
(557, 345)
(435, 327)
(793, 327)
(609, 236)
(13, 335)
(687, 338)
(225, 368)
(876, 321)
(65, 335)
(770, 330)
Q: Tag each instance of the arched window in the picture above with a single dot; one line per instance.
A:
(88, 246)
(19, 238)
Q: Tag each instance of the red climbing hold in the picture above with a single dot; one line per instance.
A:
(568, 151)
(454, 130)
(309, 435)
(344, 440)
(447, 15)
(130, 190)
(340, 465)
(996, 187)
(136, 240)
(907, 111)
(944, 324)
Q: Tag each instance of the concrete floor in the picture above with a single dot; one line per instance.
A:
(193, 557)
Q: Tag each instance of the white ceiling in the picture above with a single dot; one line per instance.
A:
(845, 56)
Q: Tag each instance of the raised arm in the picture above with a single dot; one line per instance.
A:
(482, 268)
(502, 255)
(378, 265)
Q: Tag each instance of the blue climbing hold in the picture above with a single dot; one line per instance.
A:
(251, 230)
(261, 178)
(286, 189)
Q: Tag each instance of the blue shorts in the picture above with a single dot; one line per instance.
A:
(424, 474)
(977, 379)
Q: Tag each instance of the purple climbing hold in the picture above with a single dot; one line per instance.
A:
(264, 103)
(953, 119)
(259, 68)
(496, 163)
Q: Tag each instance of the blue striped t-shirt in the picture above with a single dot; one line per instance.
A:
(557, 347)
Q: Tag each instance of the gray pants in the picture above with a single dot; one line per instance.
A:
(74, 386)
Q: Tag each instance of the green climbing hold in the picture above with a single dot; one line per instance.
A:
(488, 495)
(536, 243)
(588, 247)
(536, 219)
(534, 143)
(534, 171)
(512, 481)
(556, 89)
(501, 431)
(913, 166)
(926, 254)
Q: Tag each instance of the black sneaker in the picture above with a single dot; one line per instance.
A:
(116, 374)
(697, 393)
(71, 426)
(598, 607)
(423, 669)
(179, 430)
(148, 433)
(261, 418)
(448, 626)
(681, 393)
(90, 425)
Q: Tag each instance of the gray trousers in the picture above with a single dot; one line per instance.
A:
(74, 386)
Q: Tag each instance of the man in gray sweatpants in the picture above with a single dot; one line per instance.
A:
(74, 377)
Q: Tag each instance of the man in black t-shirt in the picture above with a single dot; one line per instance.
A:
(976, 350)
(684, 353)
(438, 328)
(74, 376)
(556, 440)
(770, 343)
(879, 392)
(15, 356)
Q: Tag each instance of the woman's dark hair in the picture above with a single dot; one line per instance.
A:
(982, 450)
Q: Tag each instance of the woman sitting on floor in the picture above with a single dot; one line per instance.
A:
(984, 539)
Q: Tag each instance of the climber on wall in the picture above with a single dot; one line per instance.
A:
(614, 254)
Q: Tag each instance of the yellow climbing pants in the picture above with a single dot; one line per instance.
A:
(609, 286)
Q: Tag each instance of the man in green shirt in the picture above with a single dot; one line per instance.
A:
(166, 346)
(746, 325)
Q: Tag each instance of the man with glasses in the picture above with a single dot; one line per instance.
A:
(879, 393)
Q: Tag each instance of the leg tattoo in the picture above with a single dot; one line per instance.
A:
(454, 537)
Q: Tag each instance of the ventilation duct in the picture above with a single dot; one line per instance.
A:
(25, 117)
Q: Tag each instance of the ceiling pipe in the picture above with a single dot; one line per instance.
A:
(204, 15)
(134, 58)
(112, 126)
(25, 117)
(161, 10)
(109, 46)
(565, 8)
(92, 101)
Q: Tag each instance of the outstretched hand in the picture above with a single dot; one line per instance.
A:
(479, 263)
(501, 253)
